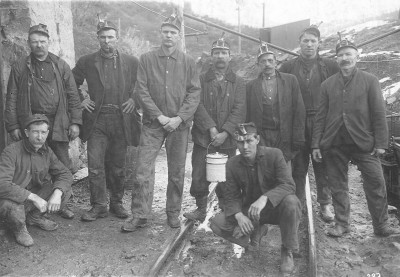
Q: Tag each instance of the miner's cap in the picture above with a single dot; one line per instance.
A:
(243, 130)
(106, 25)
(36, 118)
(40, 28)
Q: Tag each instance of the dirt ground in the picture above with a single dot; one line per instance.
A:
(97, 248)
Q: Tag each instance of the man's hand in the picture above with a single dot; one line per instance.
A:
(244, 223)
(128, 106)
(55, 201)
(316, 154)
(88, 105)
(163, 120)
(219, 139)
(173, 124)
(16, 134)
(256, 208)
(377, 152)
(73, 131)
(39, 202)
(213, 133)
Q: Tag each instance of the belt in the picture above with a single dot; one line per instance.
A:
(311, 112)
(109, 108)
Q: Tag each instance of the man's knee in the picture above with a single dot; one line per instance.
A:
(291, 203)
(12, 211)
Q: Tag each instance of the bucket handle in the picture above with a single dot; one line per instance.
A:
(208, 146)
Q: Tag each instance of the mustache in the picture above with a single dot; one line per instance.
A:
(344, 63)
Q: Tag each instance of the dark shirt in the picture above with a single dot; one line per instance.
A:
(270, 103)
(44, 93)
(254, 191)
(43, 69)
(110, 81)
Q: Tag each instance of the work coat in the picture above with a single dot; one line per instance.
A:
(229, 110)
(89, 67)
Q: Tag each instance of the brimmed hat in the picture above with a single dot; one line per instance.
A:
(173, 20)
(35, 118)
(220, 44)
(243, 130)
(106, 25)
(40, 28)
(312, 29)
(263, 50)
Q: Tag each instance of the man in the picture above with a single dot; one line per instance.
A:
(168, 91)
(311, 70)
(32, 181)
(259, 190)
(107, 119)
(351, 125)
(222, 106)
(42, 83)
(275, 105)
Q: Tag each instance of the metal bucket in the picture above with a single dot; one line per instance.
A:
(215, 167)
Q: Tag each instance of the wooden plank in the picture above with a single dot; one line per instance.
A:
(312, 250)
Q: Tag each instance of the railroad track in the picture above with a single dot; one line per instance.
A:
(177, 243)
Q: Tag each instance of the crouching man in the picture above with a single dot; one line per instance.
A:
(259, 190)
(32, 181)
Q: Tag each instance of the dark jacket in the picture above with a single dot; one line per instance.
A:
(274, 177)
(89, 67)
(291, 110)
(230, 112)
(21, 166)
(311, 94)
(167, 85)
(359, 105)
(18, 104)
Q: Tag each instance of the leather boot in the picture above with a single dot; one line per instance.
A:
(37, 219)
(119, 210)
(259, 232)
(94, 213)
(201, 212)
(326, 213)
(173, 220)
(133, 224)
(287, 264)
(23, 237)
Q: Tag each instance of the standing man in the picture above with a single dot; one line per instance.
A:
(351, 125)
(168, 90)
(259, 190)
(275, 105)
(222, 106)
(42, 83)
(32, 181)
(107, 119)
(311, 70)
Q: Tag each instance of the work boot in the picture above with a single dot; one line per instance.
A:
(133, 224)
(94, 213)
(23, 237)
(326, 213)
(118, 210)
(386, 231)
(173, 221)
(201, 212)
(287, 263)
(37, 219)
(338, 230)
(258, 233)
(66, 213)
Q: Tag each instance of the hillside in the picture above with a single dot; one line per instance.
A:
(142, 27)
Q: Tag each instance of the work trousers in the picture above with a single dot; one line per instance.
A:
(60, 148)
(199, 186)
(151, 140)
(272, 138)
(287, 215)
(106, 148)
(300, 168)
(337, 160)
(15, 214)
